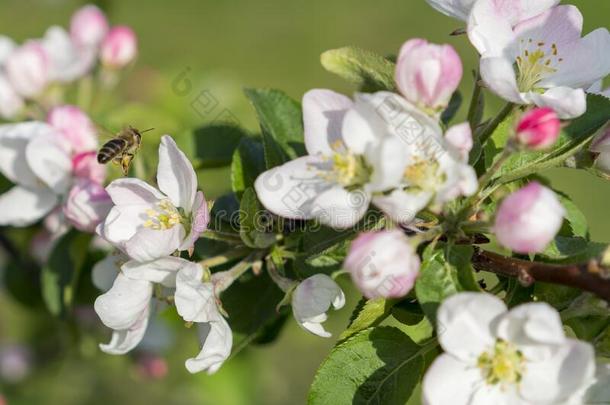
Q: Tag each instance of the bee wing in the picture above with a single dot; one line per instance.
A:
(104, 132)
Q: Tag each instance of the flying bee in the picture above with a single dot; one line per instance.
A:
(122, 149)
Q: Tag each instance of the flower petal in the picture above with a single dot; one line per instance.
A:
(22, 207)
(499, 75)
(122, 306)
(468, 314)
(450, 381)
(459, 9)
(568, 103)
(123, 341)
(389, 160)
(312, 298)
(199, 221)
(133, 191)
(175, 175)
(363, 123)
(217, 341)
(50, 160)
(402, 206)
(161, 271)
(150, 244)
(105, 271)
(195, 300)
(339, 208)
(460, 137)
(559, 25)
(323, 113)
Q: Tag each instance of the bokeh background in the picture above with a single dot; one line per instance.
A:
(191, 51)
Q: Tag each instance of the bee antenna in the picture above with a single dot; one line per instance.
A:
(147, 130)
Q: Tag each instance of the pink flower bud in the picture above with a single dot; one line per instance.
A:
(88, 26)
(152, 366)
(27, 69)
(460, 137)
(88, 204)
(383, 264)
(528, 220)
(601, 148)
(85, 166)
(75, 126)
(539, 128)
(10, 102)
(428, 74)
(119, 47)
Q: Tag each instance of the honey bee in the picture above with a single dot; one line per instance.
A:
(122, 149)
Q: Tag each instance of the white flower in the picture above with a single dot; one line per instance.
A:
(11, 103)
(28, 69)
(68, 61)
(514, 10)
(147, 223)
(554, 65)
(359, 152)
(495, 356)
(312, 298)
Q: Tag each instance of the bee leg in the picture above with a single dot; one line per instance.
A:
(126, 162)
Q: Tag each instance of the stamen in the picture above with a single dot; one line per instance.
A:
(503, 365)
(164, 217)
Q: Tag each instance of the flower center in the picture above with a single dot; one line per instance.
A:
(423, 174)
(536, 61)
(349, 170)
(504, 364)
(163, 216)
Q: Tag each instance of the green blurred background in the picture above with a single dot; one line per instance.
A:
(219, 47)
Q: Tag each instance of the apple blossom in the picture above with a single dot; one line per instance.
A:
(528, 220)
(28, 69)
(119, 48)
(312, 298)
(515, 10)
(601, 148)
(383, 264)
(518, 356)
(87, 205)
(75, 126)
(554, 65)
(538, 129)
(428, 74)
(362, 152)
(68, 62)
(88, 26)
(11, 103)
(147, 223)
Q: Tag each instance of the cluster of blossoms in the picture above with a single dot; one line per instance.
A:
(36, 70)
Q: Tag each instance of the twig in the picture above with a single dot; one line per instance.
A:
(587, 277)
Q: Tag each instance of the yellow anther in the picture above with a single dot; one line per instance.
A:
(164, 217)
(503, 365)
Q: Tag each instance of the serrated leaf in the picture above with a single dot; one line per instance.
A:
(60, 275)
(248, 162)
(372, 313)
(575, 218)
(567, 250)
(377, 366)
(215, 144)
(281, 119)
(255, 222)
(369, 71)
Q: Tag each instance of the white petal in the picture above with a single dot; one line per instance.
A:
(122, 306)
(133, 191)
(339, 208)
(22, 207)
(460, 137)
(105, 271)
(364, 122)
(68, 62)
(289, 190)
(200, 219)
(11, 102)
(568, 103)
(195, 300)
(217, 341)
(323, 113)
(14, 139)
(499, 75)
(123, 341)
(388, 159)
(49, 159)
(450, 381)
(559, 25)
(121, 224)
(150, 244)
(7, 46)
(489, 31)
(459, 9)
(402, 206)
(468, 314)
(162, 271)
(311, 300)
(175, 175)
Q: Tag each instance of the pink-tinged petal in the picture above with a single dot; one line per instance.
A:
(570, 369)
(75, 126)
(450, 381)
(51, 162)
(87, 205)
(472, 315)
(106, 271)
(199, 221)
(149, 244)
(460, 137)
(539, 128)
(339, 208)
(323, 113)
(22, 207)
(581, 62)
(489, 31)
(175, 175)
(217, 340)
(195, 300)
(568, 103)
(28, 69)
(88, 26)
(11, 103)
(67, 62)
(85, 166)
(402, 206)
(122, 306)
(559, 25)
(7, 46)
(499, 75)
(133, 192)
(161, 271)
(123, 341)
(290, 189)
(119, 48)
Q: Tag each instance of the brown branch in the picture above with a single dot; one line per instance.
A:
(589, 277)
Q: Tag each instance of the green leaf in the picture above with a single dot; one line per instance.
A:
(372, 313)
(572, 139)
(248, 162)
(575, 218)
(407, 312)
(369, 71)
(454, 105)
(566, 250)
(377, 366)
(281, 120)
(255, 223)
(460, 258)
(60, 275)
(215, 144)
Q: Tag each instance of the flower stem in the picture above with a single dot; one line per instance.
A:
(224, 258)
(489, 129)
(223, 279)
